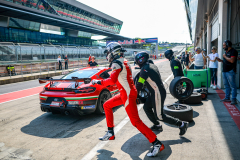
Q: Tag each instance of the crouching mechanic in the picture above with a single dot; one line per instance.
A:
(154, 104)
(174, 63)
(122, 76)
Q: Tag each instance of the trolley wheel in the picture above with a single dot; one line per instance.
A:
(204, 95)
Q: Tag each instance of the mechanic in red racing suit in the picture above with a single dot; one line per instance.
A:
(122, 76)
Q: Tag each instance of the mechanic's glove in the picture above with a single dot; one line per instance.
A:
(94, 81)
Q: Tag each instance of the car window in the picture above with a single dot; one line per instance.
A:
(106, 74)
(80, 74)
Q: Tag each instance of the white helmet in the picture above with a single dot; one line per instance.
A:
(114, 51)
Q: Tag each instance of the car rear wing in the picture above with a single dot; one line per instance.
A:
(74, 79)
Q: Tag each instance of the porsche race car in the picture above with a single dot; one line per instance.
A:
(73, 95)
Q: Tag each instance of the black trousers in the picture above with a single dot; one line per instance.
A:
(149, 110)
(60, 65)
(66, 65)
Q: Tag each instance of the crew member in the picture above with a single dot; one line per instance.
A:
(174, 63)
(122, 76)
(154, 104)
(92, 63)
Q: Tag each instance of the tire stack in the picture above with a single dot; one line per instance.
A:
(182, 89)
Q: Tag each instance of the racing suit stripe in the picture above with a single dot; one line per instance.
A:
(157, 98)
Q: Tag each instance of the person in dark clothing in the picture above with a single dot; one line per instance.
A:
(153, 107)
(66, 62)
(186, 59)
(92, 63)
(183, 59)
(174, 63)
(229, 71)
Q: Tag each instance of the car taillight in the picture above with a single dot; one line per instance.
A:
(85, 90)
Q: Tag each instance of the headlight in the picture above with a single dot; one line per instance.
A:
(85, 90)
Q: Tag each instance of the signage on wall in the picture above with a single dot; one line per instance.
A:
(137, 41)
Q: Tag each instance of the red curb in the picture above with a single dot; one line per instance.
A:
(232, 109)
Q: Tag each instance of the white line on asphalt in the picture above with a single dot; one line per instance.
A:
(101, 144)
(19, 98)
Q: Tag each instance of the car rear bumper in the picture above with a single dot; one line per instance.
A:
(68, 109)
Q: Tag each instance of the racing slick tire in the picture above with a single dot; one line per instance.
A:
(181, 111)
(181, 88)
(195, 98)
(103, 97)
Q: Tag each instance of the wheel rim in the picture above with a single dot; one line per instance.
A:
(177, 107)
(183, 89)
(104, 97)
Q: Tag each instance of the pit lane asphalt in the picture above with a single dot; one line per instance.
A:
(28, 133)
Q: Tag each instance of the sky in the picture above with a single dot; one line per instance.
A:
(165, 19)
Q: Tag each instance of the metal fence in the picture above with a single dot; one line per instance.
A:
(46, 67)
(20, 52)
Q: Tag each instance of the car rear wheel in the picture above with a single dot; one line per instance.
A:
(104, 96)
(181, 111)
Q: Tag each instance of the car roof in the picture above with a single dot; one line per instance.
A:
(95, 68)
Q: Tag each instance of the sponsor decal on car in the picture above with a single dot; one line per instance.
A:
(88, 107)
(81, 98)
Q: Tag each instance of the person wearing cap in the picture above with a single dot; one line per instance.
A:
(199, 59)
(92, 63)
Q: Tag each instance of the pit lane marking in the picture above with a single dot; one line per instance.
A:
(101, 144)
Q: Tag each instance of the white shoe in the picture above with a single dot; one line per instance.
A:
(214, 87)
(108, 136)
(211, 86)
(157, 147)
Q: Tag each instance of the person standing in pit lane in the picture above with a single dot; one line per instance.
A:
(176, 66)
(154, 104)
(92, 63)
(122, 76)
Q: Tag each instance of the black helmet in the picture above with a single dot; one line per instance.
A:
(114, 51)
(141, 58)
(168, 54)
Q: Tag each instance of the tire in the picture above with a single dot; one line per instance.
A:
(180, 111)
(179, 90)
(103, 97)
(204, 95)
(195, 98)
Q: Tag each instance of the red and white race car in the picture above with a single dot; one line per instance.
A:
(75, 94)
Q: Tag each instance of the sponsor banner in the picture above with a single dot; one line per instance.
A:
(137, 41)
(122, 42)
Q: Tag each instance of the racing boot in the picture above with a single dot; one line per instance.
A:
(183, 128)
(157, 128)
(108, 136)
(157, 147)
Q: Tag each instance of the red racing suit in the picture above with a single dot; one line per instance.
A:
(122, 76)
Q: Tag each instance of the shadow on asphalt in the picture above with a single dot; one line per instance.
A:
(138, 145)
(229, 128)
(50, 125)
(105, 155)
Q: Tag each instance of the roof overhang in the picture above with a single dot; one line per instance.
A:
(22, 12)
(203, 10)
